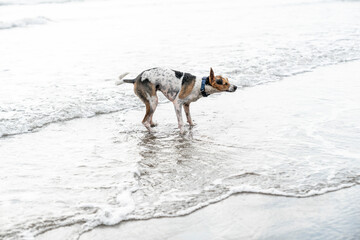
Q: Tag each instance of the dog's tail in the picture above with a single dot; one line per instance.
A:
(121, 80)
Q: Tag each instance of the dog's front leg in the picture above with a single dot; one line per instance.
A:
(187, 113)
(178, 108)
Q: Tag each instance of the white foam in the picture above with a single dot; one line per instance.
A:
(109, 214)
(24, 22)
(26, 119)
(34, 2)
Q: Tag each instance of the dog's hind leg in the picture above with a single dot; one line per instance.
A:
(146, 120)
(147, 93)
(187, 113)
(153, 104)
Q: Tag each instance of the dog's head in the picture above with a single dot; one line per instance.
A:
(220, 83)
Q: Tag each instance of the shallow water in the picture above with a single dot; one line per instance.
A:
(56, 58)
(298, 137)
(293, 140)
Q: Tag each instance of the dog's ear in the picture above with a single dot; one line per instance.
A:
(211, 76)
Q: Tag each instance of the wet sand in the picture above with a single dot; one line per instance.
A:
(333, 215)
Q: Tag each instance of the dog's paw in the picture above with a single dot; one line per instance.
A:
(192, 124)
(182, 131)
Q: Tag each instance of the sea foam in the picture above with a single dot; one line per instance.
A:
(24, 22)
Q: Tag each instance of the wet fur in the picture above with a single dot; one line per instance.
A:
(179, 87)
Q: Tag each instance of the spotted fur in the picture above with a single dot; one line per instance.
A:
(179, 87)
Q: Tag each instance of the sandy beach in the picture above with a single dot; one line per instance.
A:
(245, 216)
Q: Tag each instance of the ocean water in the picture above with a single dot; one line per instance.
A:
(59, 61)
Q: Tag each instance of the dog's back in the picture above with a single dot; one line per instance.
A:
(179, 87)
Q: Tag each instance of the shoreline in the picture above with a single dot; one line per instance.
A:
(243, 216)
(251, 215)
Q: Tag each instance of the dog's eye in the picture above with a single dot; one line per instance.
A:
(219, 81)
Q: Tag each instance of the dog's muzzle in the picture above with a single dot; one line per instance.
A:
(232, 88)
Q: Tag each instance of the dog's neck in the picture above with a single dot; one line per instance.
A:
(204, 81)
(208, 88)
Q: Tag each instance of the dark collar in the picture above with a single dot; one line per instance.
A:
(205, 80)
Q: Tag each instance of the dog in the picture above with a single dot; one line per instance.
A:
(179, 87)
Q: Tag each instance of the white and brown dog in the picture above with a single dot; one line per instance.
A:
(179, 87)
